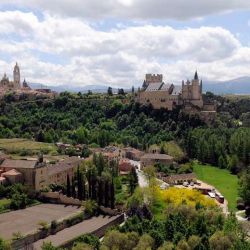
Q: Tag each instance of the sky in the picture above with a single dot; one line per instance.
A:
(116, 42)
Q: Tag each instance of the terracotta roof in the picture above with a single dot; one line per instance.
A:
(2, 179)
(125, 166)
(157, 157)
(12, 172)
(8, 163)
(64, 165)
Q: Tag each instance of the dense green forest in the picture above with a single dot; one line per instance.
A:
(98, 120)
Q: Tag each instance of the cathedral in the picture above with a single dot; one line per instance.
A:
(168, 96)
(6, 84)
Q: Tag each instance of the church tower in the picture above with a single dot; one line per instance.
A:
(16, 76)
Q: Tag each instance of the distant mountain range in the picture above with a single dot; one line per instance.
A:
(83, 89)
(236, 86)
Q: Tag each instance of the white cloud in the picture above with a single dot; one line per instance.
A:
(137, 9)
(57, 50)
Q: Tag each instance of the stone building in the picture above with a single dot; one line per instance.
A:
(5, 83)
(168, 96)
(37, 174)
(152, 159)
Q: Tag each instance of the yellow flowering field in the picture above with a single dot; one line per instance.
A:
(177, 196)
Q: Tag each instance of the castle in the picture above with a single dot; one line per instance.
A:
(6, 84)
(168, 96)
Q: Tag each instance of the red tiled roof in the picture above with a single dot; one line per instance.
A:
(125, 166)
(12, 172)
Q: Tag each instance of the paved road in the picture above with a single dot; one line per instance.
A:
(26, 220)
(87, 226)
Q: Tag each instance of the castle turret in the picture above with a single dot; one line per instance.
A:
(196, 75)
(16, 76)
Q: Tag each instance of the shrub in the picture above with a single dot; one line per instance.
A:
(89, 239)
(53, 224)
(43, 225)
(90, 207)
(19, 201)
(17, 236)
(74, 219)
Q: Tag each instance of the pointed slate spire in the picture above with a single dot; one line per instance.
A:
(196, 76)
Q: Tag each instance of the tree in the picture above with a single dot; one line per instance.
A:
(90, 207)
(100, 191)
(182, 245)
(106, 194)
(89, 239)
(133, 180)
(150, 172)
(79, 184)
(112, 195)
(82, 246)
(121, 92)
(110, 91)
(146, 242)
(19, 200)
(222, 162)
(244, 189)
(68, 187)
(166, 246)
(85, 152)
(133, 90)
(73, 188)
(219, 241)
(194, 241)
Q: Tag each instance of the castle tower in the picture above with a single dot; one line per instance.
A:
(195, 91)
(16, 76)
(192, 91)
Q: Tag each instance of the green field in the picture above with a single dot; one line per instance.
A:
(15, 146)
(222, 180)
(4, 205)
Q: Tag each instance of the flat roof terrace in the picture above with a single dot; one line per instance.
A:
(26, 220)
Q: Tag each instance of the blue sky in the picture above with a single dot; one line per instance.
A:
(118, 41)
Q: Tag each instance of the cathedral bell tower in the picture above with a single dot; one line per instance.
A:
(16, 76)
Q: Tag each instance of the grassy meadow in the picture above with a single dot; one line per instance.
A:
(25, 146)
(222, 180)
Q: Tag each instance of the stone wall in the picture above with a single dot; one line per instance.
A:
(99, 232)
(60, 198)
(27, 241)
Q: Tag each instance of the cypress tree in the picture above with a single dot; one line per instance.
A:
(133, 180)
(68, 187)
(112, 195)
(89, 179)
(106, 194)
(79, 184)
(73, 190)
(93, 188)
(100, 192)
(80, 187)
(83, 188)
